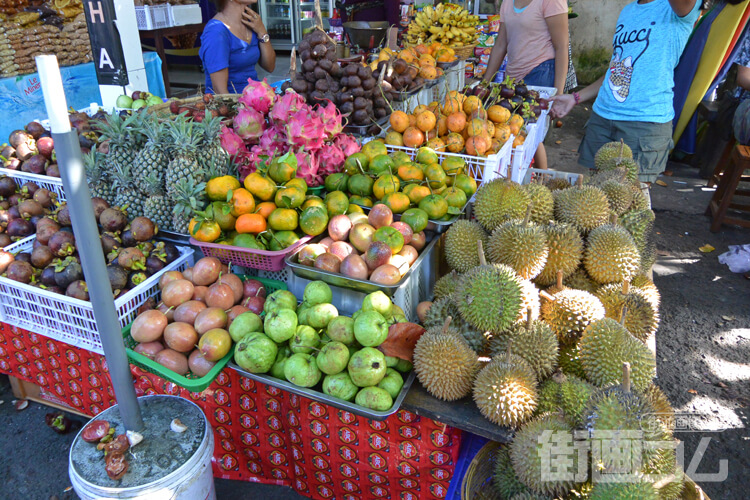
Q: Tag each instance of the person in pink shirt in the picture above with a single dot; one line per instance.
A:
(534, 36)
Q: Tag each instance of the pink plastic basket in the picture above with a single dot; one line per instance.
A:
(264, 260)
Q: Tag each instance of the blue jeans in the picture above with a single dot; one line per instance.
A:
(543, 75)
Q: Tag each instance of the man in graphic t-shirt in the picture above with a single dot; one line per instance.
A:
(634, 98)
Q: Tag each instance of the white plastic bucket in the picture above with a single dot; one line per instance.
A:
(193, 480)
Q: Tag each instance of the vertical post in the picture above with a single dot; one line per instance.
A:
(87, 236)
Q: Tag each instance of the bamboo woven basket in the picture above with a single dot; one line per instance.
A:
(477, 482)
(465, 51)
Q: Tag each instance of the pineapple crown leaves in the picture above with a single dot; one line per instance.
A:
(189, 196)
(183, 135)
(115, 129)
(211, 126)
(152, 128)
(153, 184)
(218, 166)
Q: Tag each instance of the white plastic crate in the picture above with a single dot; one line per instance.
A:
(534, 174)
(71, 320)
(151, 17)
(91, 110)
(54, 184)
(181, 15)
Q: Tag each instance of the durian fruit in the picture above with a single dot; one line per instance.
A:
(641, 319)
(583, 207)
(606, 156)
(529, 300)
(566, 393)
(619, 196)
(611, 254)
(639, 224)
(519, 245)
(526, 454)
(663, 410)
(570, 313)
(565, 252)
(640, 202)
(461, 244)
(441, 309)
(605, 346)
(542, 203)
(530, 496)
(505, 391)
(569, 360)
(557, 183)
(648, 256)
(504, 480)
(444, 363)
(629, 165)
(534, 342)
(580, 280)
(499, 201)
(623, 488)
(644, 283)
(667, 474)
(446, 285)
(489, 296)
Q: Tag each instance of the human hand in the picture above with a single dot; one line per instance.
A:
(561, 105)
(252, 20)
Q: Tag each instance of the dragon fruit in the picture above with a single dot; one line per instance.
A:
(273, 141)
(231, 142)
(258, 96)
(305, 129)
(332, 120)
(286, 105)
(347, 144)
(308, 168)
(249, 124)
(248, 162)
(331, 159)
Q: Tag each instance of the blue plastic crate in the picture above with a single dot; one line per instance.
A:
(470, 446)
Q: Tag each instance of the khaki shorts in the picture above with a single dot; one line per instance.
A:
(651, 143)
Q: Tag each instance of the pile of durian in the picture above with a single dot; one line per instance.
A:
(548, 299)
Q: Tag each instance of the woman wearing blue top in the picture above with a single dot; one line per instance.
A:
(634, 98)
(232, 43)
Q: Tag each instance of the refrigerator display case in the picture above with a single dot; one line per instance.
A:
(288, 20)
(484, 8)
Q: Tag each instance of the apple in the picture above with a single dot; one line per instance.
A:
(380, 215)
(124, 101)
(391, 236)
(377, 254)
(361, 236)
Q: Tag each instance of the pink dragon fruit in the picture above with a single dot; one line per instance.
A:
(331, 159)
(274, 138)
(305, 129)
(308, 168)
(258, 95)
(347, 144)
(247, 162)
(249, 124)
(332, 120)
(231, 142)
(285, 106)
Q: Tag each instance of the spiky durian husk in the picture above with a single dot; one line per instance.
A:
(640, 202)
(583, 207)
(504, 480)
(639, 224)
(499, 201)
(644, 283)
(489, 297)
(663, 410)
(580, 280)
(557, 184)
(445, 364)
(529, 300)
(568, 394)
(641, 320)
(526, 454)
(570, 360)
(664, 466)
(624, 489)
(441, 309)
(571, 312)
(536, 345)
(619, 195)
(521, 246)
(605, 346)
(565, 252)
(505, 391)
(446, 285)
(542, 203)
(611, 254)
(461, 249)
(606, 155)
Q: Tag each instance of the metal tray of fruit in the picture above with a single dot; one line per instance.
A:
(402, 96)
(363, 130)
(428, 84)
(321, 397)
(364, 286)
(448, 65)
(434, 226)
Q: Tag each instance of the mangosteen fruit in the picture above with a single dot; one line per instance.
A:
(52, 170)
(7, 152)
(135, 278)
(127, 238)
(19, 228)
(5, 240)
(46, 147)
(35, 129)
(24, 257)
(113, 219)
(44, 197)
(68, 271)
(143, 228)
(131, 259)
(171, 252)
(110, 242)
(20, 271)
(62, 243)
(6, 258)
(47, 277)
(8, 186)
(78, 290)
(63, 215)
(30, 208)
(41, 256)
(154, 264)
(118, 277)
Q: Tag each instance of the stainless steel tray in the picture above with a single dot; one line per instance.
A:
(361, 130)
(364, 286)
(428, 84)
(435, 226)
(321, 397)
(402, 96)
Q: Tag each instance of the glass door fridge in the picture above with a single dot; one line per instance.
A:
(304, 10)
(279, 16)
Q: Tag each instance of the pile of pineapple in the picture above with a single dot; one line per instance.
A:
(157, 168)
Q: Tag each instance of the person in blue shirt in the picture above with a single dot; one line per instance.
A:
(232, 43)
(634, 97)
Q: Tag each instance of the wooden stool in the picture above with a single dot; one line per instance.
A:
(727, 188)
(721, 165)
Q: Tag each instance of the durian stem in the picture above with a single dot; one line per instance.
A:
(529, 318)
(559, 283)
(613, 219)
(623, 314)
(559, 377)
(293, 63)
(579, 182)
(661, 483)
(480, 249)
(527, 217)
(546, 296)
(626, 287)
(626, 376)
(447, 324)
(622, 146)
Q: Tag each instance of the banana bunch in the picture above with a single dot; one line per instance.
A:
(448, 24)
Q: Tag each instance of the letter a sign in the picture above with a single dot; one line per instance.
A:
(106, 47)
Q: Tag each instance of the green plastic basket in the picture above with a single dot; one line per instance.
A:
(189, 381)
(317, 191)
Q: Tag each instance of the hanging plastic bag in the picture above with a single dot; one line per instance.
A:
(737, 258)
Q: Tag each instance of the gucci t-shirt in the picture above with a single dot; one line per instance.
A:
(649, 39)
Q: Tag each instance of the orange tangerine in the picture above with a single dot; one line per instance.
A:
(242, 202)
(250, 223)
(455, 142)
(265, 208)
(413, 137)
(410, 173)
(204, 230)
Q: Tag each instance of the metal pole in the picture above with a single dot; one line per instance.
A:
(89, 247)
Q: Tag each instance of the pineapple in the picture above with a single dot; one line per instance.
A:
(99, 184)
(153, 157)
(189, 196)
(157, 206)
(184, 163)
(126, 194)
(122, 139)
(211, 149)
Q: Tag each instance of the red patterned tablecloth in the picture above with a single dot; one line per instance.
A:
(262, 433)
